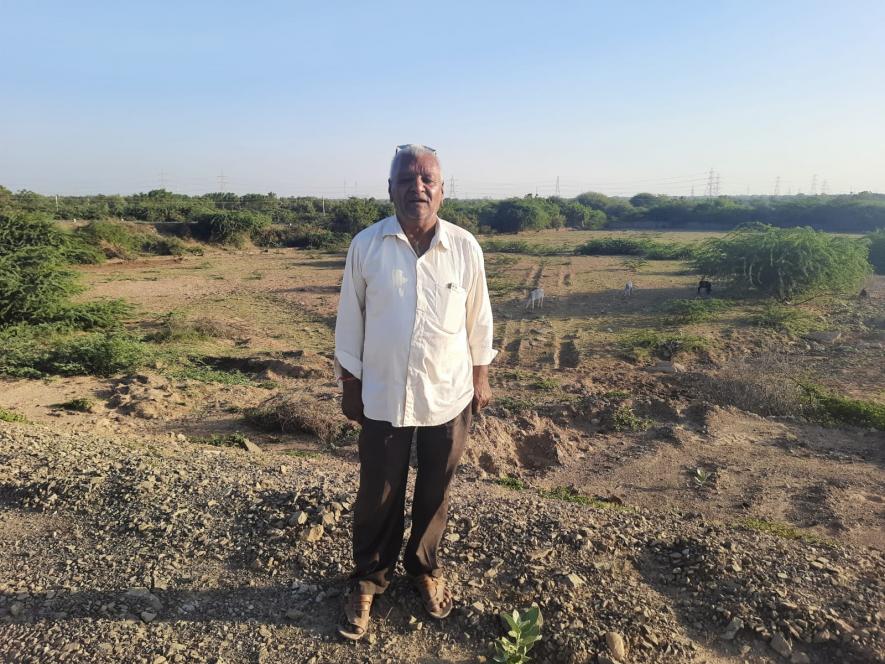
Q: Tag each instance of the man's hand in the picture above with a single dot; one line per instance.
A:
(482, 391)
(352, 399)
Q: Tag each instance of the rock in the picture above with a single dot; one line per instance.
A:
(616, 645)
(249, 446)
(800, 658)
(780, 645)
(313, 534)
(602, 658)
(574, 580)
(733, 628)
(147, 616)
(294, 614)
(298, 519)
(825, 336)
(15, 609)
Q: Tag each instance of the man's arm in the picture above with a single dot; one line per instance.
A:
(480, 331)
(349, 337)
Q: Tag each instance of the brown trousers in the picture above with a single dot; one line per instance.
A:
(378, 514)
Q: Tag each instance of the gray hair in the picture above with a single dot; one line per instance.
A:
(412, 151)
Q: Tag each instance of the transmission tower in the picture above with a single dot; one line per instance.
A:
(814, 184)
(823, 188)
(452, 187)
(777, 186)
(222, 182)
(557, 186)
(708, 192)
(717, 184)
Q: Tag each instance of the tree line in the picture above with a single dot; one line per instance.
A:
(319, 220)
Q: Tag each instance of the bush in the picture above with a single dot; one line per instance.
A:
(35, 351)
(97, 314)
(877, 250)
(287, 414)
(828, 406)
(641, 345)
(35, 285)
(784, 262)
(523, 247)
(644, 247)
(301, 237)
(679, 312)
(226, 226)
(762, 386)
(789, 320)
(12, 416)
(117, 239)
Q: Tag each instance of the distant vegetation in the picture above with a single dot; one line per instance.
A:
(784, 262)
(228, 217)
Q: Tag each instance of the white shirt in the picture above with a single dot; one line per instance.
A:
(412, 328)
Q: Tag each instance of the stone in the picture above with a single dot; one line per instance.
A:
(147, 616)
(733, 628)
(294, 614)
(16, 609)
(313, 534)
(574, 580)
(298, 519)
(616, 645)
(249, 446)
(800, 658)
(780, 645)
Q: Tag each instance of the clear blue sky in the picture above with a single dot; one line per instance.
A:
(311, 98)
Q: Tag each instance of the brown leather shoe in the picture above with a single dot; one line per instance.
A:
(357, 611)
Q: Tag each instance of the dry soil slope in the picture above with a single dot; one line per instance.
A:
(152, 551)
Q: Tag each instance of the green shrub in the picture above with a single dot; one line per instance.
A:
(643, 344)
(127, 240)
(831, 407)
(877, 250)
(35, 285)
(643, 247)
(96, 314)
(12, 416)
(784, 262)
(513, 483)
(78, 404)
(789, 320)
(97, 354)
(523, 630)
(226, 226)
(523, 247)
(301, 237)
(681, 312)
(624, 419)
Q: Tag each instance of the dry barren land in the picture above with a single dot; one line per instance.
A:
(641, 474)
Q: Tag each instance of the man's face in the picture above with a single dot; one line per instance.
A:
(416, 188)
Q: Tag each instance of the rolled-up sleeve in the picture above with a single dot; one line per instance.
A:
(350, 324)
(480, 328)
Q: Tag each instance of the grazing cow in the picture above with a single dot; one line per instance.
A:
(863, 294)
(628, 288)
(537, 295)
(706, 286)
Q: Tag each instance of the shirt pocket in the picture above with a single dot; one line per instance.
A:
(453, 307)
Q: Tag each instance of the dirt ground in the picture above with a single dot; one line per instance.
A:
(263, 304)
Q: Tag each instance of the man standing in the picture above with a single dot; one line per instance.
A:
(413, 343)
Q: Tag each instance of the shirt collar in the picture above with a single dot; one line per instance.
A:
(441, 236)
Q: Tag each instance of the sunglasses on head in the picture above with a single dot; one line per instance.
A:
(403, 147)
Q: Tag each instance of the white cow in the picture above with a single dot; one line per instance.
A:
(537, 295)
(628, 289)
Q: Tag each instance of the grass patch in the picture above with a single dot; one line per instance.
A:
(35, 351)
(624, 419)
(616, 394)
(205, 374)
(788, 320)
(682, 312)
(78, 404)
(524, 247)
(301, 454)
(514, 404)
(12, 416)
(545, 384)
(236, 439)
(644, 344)
(642, 247)
(830, 407)
(782, 530)
(513, 483)
(570, 495)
